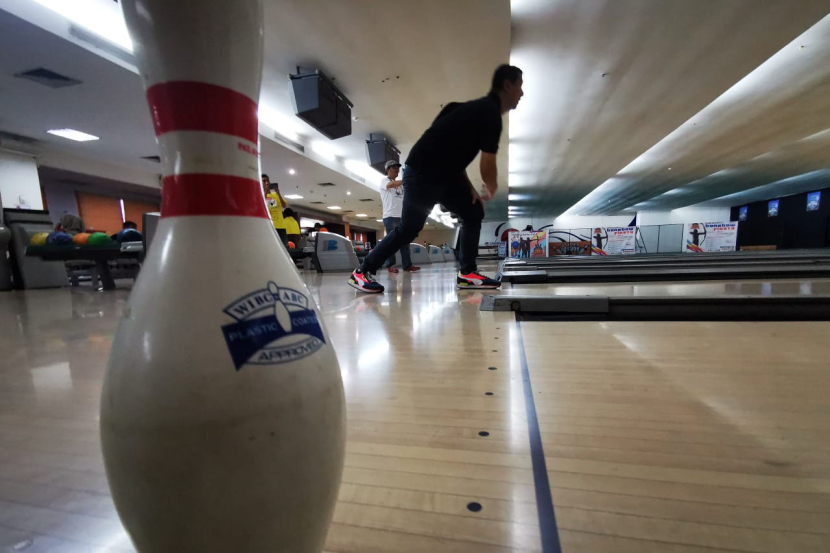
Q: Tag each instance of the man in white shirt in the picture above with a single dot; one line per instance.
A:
(391, 195)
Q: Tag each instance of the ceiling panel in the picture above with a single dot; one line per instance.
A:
(606, 80)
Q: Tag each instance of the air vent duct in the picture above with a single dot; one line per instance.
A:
(49, 78)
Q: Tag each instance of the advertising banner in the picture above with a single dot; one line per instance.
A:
(772, 208)
(813, 201)
(710, 237)
(614, 241)
(742, 212)
(528, 243)
(569, 242)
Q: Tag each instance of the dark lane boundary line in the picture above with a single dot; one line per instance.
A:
(544, 502)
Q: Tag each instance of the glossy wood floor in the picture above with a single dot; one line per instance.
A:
(664, 437)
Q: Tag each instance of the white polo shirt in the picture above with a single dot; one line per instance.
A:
(392, 199)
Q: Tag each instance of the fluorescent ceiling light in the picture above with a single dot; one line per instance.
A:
(285, 126)
(379, 220)
(334, 207)
(102, 18)
(362, 215)
(324, 149)
(293, 197)
(362, 169)
(72, 134)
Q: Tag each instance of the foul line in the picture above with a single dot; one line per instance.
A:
(544, 502)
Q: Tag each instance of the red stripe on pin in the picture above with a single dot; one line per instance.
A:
(193, 106)
(200, 194)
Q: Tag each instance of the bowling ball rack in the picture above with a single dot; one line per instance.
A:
(100, 255)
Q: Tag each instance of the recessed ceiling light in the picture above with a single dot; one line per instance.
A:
(71, 134)
(669, 168)
(293, 197)
(348, 193)
(362, 215)
(334, 207)
(292, 172)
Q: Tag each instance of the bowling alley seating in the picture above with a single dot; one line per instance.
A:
(334, 252)
(434, 254)
(31, 272)
(418, 254)
(448, 253)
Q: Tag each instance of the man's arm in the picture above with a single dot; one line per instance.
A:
(394, 184)
(489, 173)
(283, 203)
(476, 196)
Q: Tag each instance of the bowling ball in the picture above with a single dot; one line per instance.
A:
(128, 235)
(291, 245)
(59, 239)
(38, 239)
(81, 238)
(98, 239)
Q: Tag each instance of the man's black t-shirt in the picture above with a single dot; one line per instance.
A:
(456, 136)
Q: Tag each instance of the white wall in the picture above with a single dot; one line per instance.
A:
(592, 221)
(437, 236)
(19, 182)
(60, 199)
(684, 215)
(85, 166)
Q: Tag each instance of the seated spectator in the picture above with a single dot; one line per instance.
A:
(292, 227)
(129, 233)
(70, 223)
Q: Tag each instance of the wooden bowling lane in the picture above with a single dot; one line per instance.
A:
(425, 440)
(666, 437)
(685, 436)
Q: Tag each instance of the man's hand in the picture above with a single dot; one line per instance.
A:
(485, 194)
(477, 197)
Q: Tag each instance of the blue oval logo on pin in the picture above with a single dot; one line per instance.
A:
(273, 325)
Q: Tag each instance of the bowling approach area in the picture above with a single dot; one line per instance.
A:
(468, 431)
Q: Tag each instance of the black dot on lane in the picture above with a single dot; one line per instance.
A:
(493, 368)
(483, 433)
(474, 507)
(488, 393)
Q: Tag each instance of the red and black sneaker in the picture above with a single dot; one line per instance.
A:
(474, 280)
(365, 282)
(412, 269)
(392, 270)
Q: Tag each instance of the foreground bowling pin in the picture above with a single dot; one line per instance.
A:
(222, 412)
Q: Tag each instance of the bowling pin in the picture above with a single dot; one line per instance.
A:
(222, 411)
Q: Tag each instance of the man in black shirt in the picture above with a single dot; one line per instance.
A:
(436, 173)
